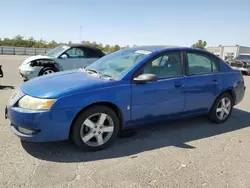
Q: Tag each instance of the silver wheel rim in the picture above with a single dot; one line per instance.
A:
(223, 108)
(48, 72)
(97, 129)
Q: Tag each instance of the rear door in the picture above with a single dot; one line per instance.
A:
(203, 81)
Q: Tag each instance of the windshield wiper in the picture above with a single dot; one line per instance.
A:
(107, 76)
(93, 71)
(99, 74)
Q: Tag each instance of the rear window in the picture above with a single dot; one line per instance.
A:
(242, 57)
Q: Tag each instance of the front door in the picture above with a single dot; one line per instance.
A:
(75, 59)
(156, 100)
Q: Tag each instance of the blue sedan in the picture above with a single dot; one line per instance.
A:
(127, 88)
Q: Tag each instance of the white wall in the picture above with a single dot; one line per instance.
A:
(244, 50)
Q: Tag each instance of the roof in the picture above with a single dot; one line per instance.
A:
(154, 48)
(158, 48)
(84, 46)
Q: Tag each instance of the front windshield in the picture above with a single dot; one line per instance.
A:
(57, 51)
(118, 63)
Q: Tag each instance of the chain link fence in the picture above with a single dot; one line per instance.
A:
(7, 50)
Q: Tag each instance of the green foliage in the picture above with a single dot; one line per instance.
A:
(200, 44)
(20, 41)
(105, 48)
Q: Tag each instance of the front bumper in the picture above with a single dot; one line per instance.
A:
(51, 125)
(27, 72)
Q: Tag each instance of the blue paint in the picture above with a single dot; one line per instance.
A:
(149, 102)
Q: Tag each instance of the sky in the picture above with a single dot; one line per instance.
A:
(129, 22)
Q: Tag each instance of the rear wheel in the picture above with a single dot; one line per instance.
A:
(95, 128)
(222, 108)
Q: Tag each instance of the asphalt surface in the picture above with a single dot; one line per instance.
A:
(187, 153)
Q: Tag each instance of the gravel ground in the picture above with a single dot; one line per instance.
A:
(187, 153)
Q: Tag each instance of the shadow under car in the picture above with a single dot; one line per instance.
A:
(171, 133)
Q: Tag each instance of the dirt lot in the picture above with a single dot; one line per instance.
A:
(187, 153)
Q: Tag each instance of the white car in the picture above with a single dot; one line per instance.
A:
(61, 58)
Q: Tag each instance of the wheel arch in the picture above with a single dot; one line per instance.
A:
(45, 63)
(47, 66)
(114, 107)
(228, 90)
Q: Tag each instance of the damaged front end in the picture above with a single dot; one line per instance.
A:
(44, 63)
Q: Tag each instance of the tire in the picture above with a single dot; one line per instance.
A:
(47, 70)
(218, 109)
(85, 137)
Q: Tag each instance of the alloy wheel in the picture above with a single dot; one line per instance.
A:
(223, 108)
(97, 129)
(48, 72)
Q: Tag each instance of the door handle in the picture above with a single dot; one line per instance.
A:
(215, 81)
(178, 84)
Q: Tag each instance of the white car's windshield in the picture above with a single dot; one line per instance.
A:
(118, 63)
(57, 51)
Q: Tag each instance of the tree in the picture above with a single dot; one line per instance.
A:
(20, 41)
(116, 47)
(200, 44)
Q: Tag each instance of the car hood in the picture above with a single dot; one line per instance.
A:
(61, 84)
(36, 57)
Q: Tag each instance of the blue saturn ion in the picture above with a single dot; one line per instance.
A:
(127, 88)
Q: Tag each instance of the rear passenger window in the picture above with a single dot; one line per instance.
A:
(93, 53)
(199, 64)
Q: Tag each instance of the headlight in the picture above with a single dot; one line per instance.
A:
(31, 103)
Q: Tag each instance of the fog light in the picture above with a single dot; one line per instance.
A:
(27, 131)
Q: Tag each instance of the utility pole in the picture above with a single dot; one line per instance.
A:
(80, 34)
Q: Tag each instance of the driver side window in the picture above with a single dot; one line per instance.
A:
(75, 53)
(165, 66)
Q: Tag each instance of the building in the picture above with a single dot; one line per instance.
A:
(229, 52)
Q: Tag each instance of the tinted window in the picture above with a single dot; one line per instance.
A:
(93, 53)
(168, 65)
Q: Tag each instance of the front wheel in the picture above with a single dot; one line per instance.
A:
(47, 70)
(95, 128)
(222, 108)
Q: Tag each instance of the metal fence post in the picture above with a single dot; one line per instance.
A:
(1, 50)
(14, 51)
(35, 51)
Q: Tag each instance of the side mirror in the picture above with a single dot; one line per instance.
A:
(143, 78)
(64, 56)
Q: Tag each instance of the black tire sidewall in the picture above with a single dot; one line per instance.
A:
(212, 114)
(45, 69)
(76, 127)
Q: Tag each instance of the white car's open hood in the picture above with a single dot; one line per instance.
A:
(32, 58)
